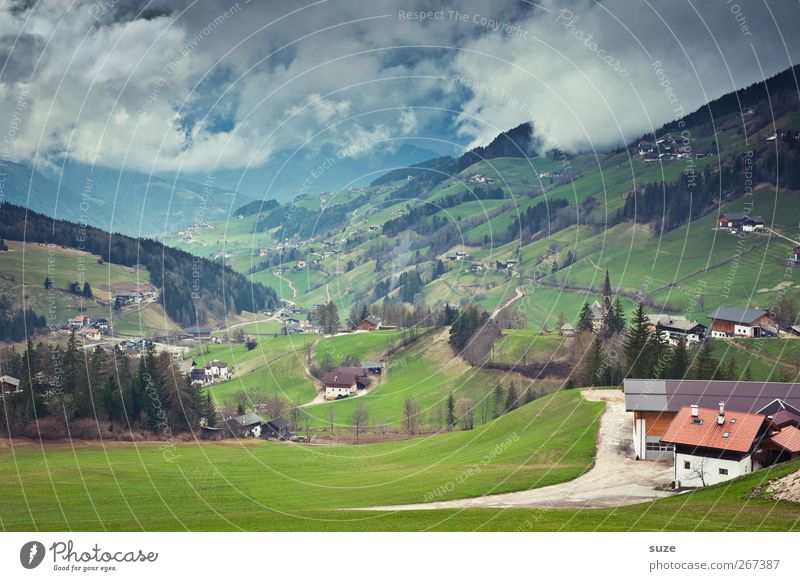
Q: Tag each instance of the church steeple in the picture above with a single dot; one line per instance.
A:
(606, 295)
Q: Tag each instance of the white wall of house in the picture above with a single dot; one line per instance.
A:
(743, 330)
(718, 334)
(334, 392)
(712, 467)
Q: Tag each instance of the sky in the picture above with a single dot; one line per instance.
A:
(213, 85)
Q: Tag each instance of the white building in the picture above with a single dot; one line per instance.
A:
(712, 445)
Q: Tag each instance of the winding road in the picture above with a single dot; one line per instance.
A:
(616, 479)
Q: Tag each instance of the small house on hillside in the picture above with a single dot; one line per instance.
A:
(276, 429)
(245, 426)
(370, 323)
(738, 322)
(217, 369)
(715, 445)
(676, 326)
(198, 332)
(567, 330)
(338, 385)
(8, 384)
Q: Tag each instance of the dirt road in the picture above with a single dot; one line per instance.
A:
(615, 480)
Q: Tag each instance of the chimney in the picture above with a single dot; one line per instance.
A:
(695, 410)
(721, 416)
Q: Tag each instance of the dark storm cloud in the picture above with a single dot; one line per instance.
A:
(192, 86)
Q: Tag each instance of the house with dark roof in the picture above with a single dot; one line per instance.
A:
(713, 445)
(740, 221)
(655, 403)
(245, 426)
(339, 384)
(198, 332)
(677, 327)
(567, 330)
(276, 429)
(729, 321)
(375, 367)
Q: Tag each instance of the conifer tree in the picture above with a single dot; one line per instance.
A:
(635, 346)
(585, 319)
(451, 411)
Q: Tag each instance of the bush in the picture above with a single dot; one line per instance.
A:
(46, 428)
(88, 429)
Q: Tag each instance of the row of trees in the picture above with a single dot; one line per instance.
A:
(100, 392)
(192, 288)
(642, 353)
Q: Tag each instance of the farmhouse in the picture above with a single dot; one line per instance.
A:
(794, 259)
(567, 330)
(506, 264)
(740, 221)
(217, 369)
(737, 322)
(8, 384)
(91, 333)
(200, 377)
(276, 429)
(370, 323)
(677, 327)
(198, 332)
(246, 426)
(715, 445)
(656, 402)
(338, 384)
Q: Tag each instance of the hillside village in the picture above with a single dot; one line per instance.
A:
(469, 300)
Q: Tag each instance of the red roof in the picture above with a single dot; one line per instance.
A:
(788, 439)
(735, 434)
(338, 379)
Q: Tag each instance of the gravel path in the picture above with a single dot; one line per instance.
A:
(615, 480)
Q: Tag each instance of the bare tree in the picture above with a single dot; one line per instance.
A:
(274, 407)
(699, 472)
(360, 419)
(331, 417)
(294, 418)
(410, 416)
(466, 412)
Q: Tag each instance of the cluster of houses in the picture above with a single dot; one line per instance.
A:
(348, 380)
(207, 374)
(89, 328)
(481, 179)
(665, 148)
(738, 223)
(249, 425)
(137, 294)
(713, 430)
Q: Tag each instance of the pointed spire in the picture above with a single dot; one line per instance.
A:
(607, 286)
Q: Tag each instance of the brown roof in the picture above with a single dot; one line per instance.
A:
(338, 379)
(736, 434)
(788, 439)
(357, 371)
(785, 418)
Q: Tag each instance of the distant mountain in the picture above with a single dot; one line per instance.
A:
(286, 176)
(518, 142)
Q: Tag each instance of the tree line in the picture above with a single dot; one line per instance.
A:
(192, 288)
(69, 392)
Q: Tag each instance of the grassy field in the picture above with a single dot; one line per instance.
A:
(274, 367)
(266, 486)
(274, 487)
(426, 373)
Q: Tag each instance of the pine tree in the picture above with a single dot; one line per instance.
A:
(530, 395)
(680, 361)
(498, 400)
(635, 346)
(511, 398)
(48, 283)
(732, 370)
(705, 366)
(748, 374)
(87, 290)
(585, 319)
(451, 411)
(595, 362)
(617, 317)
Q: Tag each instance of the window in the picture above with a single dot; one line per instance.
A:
(723, 471)
(697, 421)
(726, 434)
(658, 447)
(687, 465)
